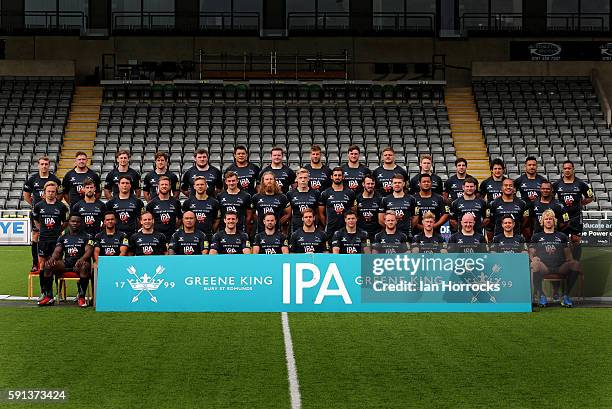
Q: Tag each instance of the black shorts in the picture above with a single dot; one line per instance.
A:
(45, 248)
(34, 228)
(574, 226)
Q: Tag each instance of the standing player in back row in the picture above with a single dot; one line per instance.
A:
(383, 175)
(72, 184)
(354, 171)
(453, 188)
(528, 184)
(151, 179)
(33, 191)
(202, 167)
(247, 172)
(111, 185)
(574, 193)
(426, 167)
(284, 176)
(319, 174)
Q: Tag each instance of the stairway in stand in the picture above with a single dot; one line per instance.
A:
(80, 133)
(467, 134)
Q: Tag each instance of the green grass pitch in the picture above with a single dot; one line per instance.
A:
(549, 359)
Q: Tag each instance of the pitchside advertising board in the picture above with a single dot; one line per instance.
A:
(14, 231)
(560, 51)
(477, 282)
(597, 232)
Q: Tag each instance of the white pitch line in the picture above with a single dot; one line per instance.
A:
(294, 385)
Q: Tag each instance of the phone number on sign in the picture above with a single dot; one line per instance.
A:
(33, 395)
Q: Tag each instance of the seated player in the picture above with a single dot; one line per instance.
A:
(428, 241)
(390, 240)
(508, 241)
(271, 240)
(551, 254)
(350, 239)
(229, 240)
(147, 241)
(110, 242)
(50, 218)
(308, 239)
(72, 253)
(188, 240)
(467, 240)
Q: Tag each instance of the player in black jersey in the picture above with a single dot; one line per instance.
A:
(270, 241)
(308, 239)
(127, 207)
(428, 201)
(390, 240)
(90, 209)
(550, 254)
(248, 173)
(110, 242)
(453, 187)
(205, 208)
(469, 203)
(350, 240)
(188, 241)
(33, 190)
(574, 194)
(335, 202)
(467, 240)
(425, 167)
(354, 171)
(302, 197)
(111, 184)
(270, 199)
(236, 200)
(368, 206)
(383, 175)
(428, 241)
(72, 252)
(528, 184)
(283, 175)
(201, 167)
(402, 204)
(72, 184)
(491, 188)
(508, 203)
(545, 202)
(320, 174)
(508, 241)
(50, 217)
(147, 241)
(151, 179)
(166, 209)
(229, 240)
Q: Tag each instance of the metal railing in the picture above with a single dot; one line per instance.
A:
(207, 21)
(570, 22)
(398, 22)
(43, 20)
(314, 21)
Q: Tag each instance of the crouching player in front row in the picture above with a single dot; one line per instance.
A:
(551, 254)
(188, 241)
(72, 252)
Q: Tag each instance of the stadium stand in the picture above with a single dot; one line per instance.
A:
(552, 118)
(180, 117)
(33, 115)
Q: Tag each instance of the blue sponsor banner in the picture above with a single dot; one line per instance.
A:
(316, 283)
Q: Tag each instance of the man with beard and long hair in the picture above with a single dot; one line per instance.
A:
(270, 199)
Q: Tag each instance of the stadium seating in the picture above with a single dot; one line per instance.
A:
(552, 118)
(33, 114)
(177, 119)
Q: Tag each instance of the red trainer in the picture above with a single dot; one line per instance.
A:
(82, 303)
(46, 301)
